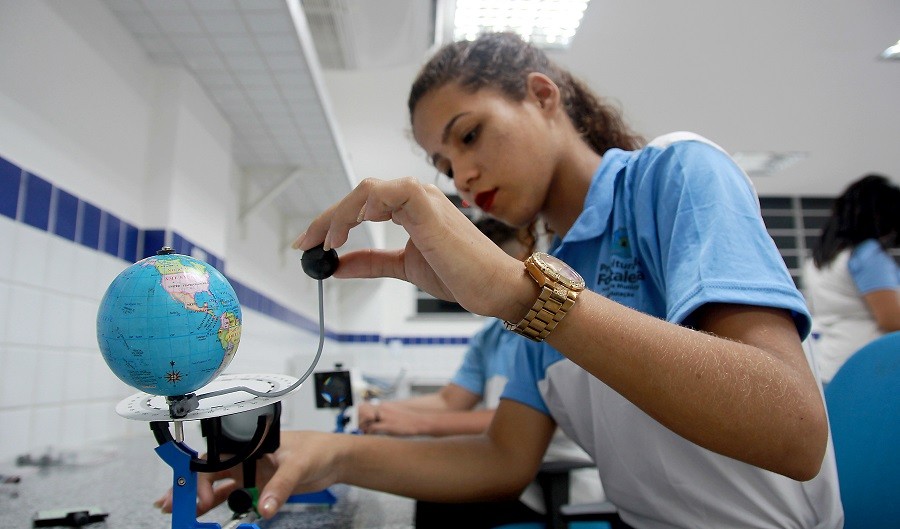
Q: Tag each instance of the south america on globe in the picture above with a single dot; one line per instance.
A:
(169, 324)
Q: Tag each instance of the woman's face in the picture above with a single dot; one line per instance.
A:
(497, 151)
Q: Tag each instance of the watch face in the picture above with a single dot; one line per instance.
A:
(565, 272)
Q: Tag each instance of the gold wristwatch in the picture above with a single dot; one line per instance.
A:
(559, 284)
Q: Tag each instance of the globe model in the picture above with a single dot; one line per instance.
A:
(169, 324)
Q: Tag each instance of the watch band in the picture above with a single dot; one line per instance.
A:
(548, 310)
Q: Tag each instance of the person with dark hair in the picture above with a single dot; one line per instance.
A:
(466, 405)
(851, 282)
(664, 328)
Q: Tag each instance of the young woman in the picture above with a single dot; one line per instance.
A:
(679, 368)
(852, 284)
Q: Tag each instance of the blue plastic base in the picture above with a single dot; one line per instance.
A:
(322, 497)
(184, 488)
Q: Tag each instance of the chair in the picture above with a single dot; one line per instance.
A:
(553, 478)
(863, 401)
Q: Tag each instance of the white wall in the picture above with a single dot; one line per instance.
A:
(82, 108)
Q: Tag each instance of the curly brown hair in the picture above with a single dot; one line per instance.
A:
(503, 61)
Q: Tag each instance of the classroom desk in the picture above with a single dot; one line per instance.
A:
(125, 478)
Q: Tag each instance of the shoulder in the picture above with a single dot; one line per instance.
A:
(867, 249)
(680, 156)
(872, 268)
(683, 143)
(685, 168)
(680, 138)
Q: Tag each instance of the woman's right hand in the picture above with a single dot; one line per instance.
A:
(446, 255)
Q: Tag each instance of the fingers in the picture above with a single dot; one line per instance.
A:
(164, 503)
(371, 263)
(277, 491)
(365, 413)
(209, 497)
(371, 200)
(212, 489)
(343, 216)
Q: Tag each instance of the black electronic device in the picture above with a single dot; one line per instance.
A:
(333, 389)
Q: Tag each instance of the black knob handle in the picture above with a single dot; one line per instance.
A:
(319, 264)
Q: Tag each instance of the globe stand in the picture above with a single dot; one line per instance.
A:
(181, 405)
(242, 425)
(235, 396)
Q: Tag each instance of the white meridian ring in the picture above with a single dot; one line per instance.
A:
(147, 407)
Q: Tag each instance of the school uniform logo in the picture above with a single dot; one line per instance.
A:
(620, 278)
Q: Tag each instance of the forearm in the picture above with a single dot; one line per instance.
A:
(455, 422)
(757, 403)
(422, 403)
(447, 469)
(885, 307)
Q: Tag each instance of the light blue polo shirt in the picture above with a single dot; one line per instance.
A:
(872, 268)
(488, 362)
(665, 230)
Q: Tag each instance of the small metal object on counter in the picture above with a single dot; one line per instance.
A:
(69, 517)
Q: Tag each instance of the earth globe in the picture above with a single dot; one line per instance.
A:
(169, 324)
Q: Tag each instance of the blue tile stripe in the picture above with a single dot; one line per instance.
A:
(32, 200)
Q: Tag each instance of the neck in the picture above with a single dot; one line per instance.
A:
(569, 188)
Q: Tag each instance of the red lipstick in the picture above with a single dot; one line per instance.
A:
(485, 200)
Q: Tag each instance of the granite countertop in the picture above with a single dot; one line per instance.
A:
(125, 478)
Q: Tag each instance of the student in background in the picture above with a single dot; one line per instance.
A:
(479, 382)
(851, 282)
(670, 348)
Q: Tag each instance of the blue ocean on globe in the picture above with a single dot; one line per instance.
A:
(169, 324)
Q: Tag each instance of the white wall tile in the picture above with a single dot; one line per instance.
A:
(15, 433)
(108, 268)
(113, 388)
(8, 237)
(78, 377)
(50, 379)
(60, 272)
(5, 308)
(46, 428)
(54, 321)
(74, 425)
(96, 370)
(85, 263)
(25, 311)
(20, 371)
(120, 427)
(30, 256)
(97, 426)
(83, 324)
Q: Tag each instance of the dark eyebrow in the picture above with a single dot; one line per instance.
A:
(449, 126)
(446, 134)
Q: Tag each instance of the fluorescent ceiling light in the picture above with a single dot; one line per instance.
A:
(892, 52)
(766, 163)
(544, 23)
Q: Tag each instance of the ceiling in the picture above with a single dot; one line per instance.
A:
(256, 60)
(799, 78)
